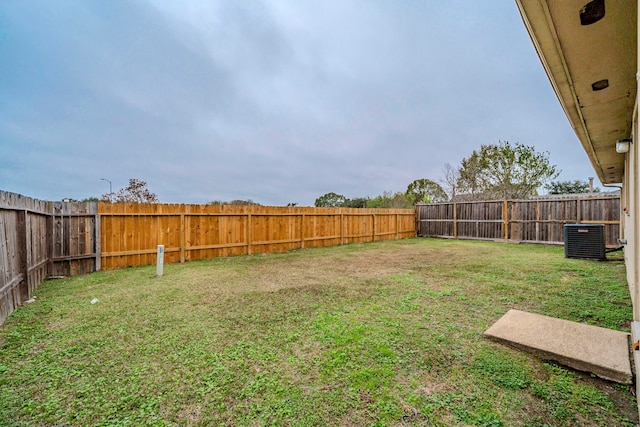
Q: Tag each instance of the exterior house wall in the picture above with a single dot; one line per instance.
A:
(630, 218)
(630, 226)
(575, 55)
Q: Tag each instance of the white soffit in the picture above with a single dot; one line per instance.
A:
(575, 56)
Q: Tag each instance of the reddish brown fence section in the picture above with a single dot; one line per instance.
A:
(38, 239)
(130, 233)
(538, 220)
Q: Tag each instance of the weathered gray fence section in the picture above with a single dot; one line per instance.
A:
(38, 239)
(76, 238)
(537, 220)
(23, 248)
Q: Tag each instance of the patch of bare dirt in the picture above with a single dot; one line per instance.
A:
(295, 270)
(618, 394)
(190, 414)
(375, 263)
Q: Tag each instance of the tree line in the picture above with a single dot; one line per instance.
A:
(495, 171)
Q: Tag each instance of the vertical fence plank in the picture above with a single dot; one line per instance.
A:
(97, 242)
(537, 221)
(249, 233)
(182, 238)
(578, 211)
(22, 262)
(505, 220)
(455, 220)
(373, 228)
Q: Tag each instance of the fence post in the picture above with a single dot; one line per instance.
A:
(97, 238)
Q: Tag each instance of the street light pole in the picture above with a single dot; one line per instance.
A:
(110, 189)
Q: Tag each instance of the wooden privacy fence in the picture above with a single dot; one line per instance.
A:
(130, 233)
(537, 221)
(40, 239)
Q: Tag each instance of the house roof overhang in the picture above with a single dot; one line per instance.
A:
(592, 68)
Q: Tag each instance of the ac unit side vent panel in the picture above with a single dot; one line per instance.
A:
(584, 241)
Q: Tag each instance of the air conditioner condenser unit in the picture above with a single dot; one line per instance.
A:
(584, 241)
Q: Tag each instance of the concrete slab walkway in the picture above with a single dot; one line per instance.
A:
(601, 351)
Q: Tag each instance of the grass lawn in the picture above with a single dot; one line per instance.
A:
(388, 333)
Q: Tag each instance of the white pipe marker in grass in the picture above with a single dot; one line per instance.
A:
(160, 261)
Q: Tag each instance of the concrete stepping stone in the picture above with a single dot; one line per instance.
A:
(603, 352)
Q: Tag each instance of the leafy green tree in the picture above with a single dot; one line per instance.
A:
(236, 202)
(569, 187)
(400, 200)
(388, 200)
(357, 202)
(425, 191)
(244, 202)
(330, 200)
(470, 175)
(506, 171)
(135, 192)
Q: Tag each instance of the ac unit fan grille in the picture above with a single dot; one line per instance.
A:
(584, 241)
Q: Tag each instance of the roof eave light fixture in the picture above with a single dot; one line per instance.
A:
(592, 12)
(622, 145)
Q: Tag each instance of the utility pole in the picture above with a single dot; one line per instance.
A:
(110, 189)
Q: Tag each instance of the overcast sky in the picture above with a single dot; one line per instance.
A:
(279, 101)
